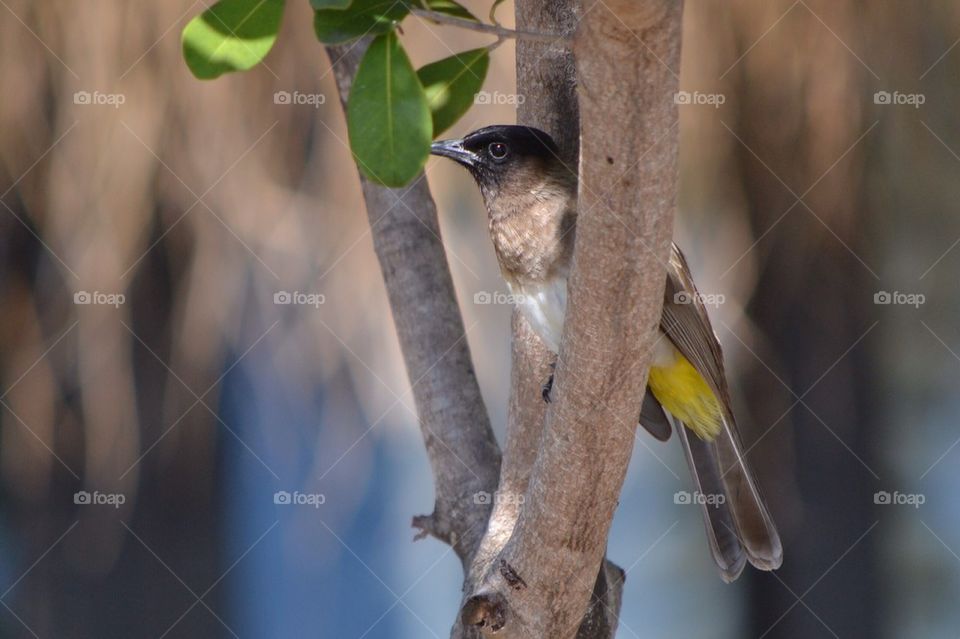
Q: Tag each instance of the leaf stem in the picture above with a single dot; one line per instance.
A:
(497, 30)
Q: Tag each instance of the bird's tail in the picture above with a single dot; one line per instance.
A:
(739, 528)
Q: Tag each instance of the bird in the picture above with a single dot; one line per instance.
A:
(530, 196)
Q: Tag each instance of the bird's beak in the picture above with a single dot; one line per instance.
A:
(454, 150)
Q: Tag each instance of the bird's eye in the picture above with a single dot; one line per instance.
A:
(498, 150)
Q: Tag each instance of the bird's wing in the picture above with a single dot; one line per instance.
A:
(686, 323)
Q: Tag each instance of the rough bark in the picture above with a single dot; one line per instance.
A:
(539, 569)
(540, 582)
(456, 429)
(546, 78)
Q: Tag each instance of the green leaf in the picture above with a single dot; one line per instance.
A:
(388, 119)
(450, 8)
(330, 4)
(450, 85)
(364, 17)
(232, 35)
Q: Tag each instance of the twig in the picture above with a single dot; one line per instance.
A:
(493, 12)
(497, 30)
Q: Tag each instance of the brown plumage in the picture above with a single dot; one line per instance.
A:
(532, 221)
(531, 196)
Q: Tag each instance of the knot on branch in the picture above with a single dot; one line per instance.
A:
(429, 525)
(486, 610)
(424, 526)
(510, 575)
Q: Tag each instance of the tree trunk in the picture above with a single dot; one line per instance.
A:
(540, 581)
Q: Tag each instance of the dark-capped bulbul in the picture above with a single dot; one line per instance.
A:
(531, 201)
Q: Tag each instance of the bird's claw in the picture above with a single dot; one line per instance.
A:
(546, 388)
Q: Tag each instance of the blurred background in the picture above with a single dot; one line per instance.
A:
(205, 425)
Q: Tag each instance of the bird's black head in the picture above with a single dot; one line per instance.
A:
(502, 154)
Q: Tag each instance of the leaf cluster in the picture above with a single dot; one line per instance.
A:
(393, 111)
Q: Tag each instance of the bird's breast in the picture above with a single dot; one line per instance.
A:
(533, 238)
(543, 303)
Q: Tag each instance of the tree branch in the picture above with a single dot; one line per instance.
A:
(491, 29)
(540, 582)
(538, 569)
(460, 443)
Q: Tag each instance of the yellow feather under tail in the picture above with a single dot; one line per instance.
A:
(683, 391)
